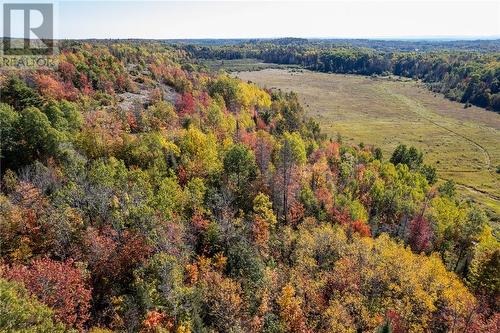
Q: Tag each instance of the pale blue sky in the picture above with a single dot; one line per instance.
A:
(250, 19)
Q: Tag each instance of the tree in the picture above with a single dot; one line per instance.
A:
(199, 152)
(112, 258)
(291, 153)
(430, 173)
(250, 95)
(148, 150)
(163, 115)
(55, 116)
(484, 268)
(369, 267)
(222, 302)
(102, 134)
(239, 166)
(72, 115)
(291, 113)
(457, 227)
(227, 88)
(159, 285)
(39, 138)
(194, 193)
(52, 88)
(468, 234)
(338, 319)
(409, 156)
(9, 122)
(19, 312)
(264, 221)
(186, 104)
(448, 188)
(290, 311)
(26, 136)
(245, 265)
(377, 154)
(420, 234)
(153, 223)
(59, 285)
(17, 94)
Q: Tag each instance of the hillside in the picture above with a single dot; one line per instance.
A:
(142, 192)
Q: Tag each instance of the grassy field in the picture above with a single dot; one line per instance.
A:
(240, 65)
(464, 144)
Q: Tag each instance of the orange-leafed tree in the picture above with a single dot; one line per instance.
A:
(290, 311)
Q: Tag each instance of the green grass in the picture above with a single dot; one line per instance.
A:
(242, 65)
(462, 143)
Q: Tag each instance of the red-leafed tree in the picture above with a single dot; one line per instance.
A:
(49, 86)
(84, 84)
(67, 70)
(361, 228)
(324, 197)
(113, 257)
(295, 213)
(332, 150)
(186, 104)
(342, 217)
(420, 234)
(396, 321)
(122, 83)
(60, 285)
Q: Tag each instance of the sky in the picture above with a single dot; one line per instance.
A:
(269, 19)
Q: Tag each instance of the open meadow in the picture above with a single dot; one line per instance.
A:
(238, 65)
(462, 143)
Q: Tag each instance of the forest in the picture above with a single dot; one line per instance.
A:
(462, 71)
(141, 192)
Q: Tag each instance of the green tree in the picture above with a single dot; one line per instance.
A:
(409, 156)
(169, 199)
(17, 94)
(194, 193)
(159, 285)
(72, 115)
(264, 222)
(377, 154)
(227, 88)
(21, 313)
(430, 173)
(9, 122)
(35, 137)
(55, 116)
(163, 115)
(448, 188)
(240, 166)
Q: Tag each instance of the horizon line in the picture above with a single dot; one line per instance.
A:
(445, 38)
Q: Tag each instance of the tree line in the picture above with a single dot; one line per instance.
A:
(466, 76)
